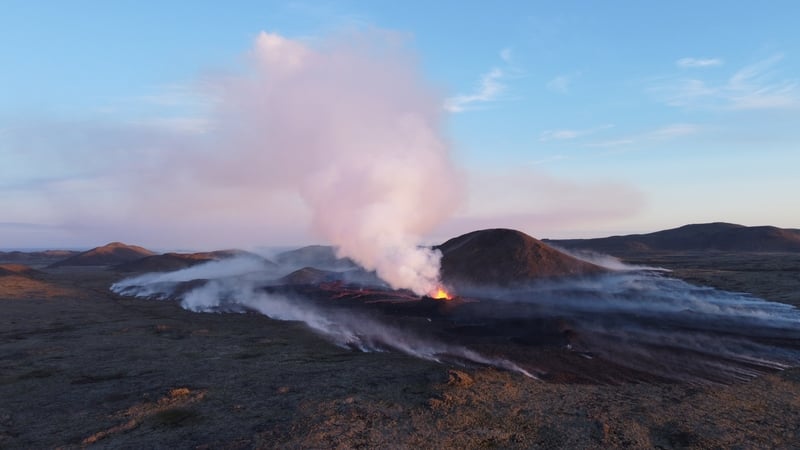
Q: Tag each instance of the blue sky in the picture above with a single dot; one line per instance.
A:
(569, 119)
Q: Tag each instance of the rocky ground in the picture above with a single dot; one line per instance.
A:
(82, 367)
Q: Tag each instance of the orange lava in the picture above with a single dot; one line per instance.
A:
(441, 294)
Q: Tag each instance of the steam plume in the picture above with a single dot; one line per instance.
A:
(355, 131)
(344, 137)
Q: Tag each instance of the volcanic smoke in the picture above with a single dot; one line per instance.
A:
(355, 131)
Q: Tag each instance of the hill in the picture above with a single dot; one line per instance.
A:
(505, 257)
(176, 261)
(698, 237)
(318, 256)
(36, 257)
(308, 275)
(107, 255)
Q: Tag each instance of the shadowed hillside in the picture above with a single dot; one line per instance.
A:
(176, 261)
(310, 275)
(503, 257)
(709, 236)
(319, 256)
(36, 257)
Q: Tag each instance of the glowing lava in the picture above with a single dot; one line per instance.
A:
(441, 294)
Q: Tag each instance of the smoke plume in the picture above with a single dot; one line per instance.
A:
(341, 138)
(353, 129)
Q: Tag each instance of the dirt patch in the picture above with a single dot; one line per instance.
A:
(23, 287)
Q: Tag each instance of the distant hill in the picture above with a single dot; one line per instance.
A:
(708, 236)
(505, 257)
(319, 256)
(107, 255)
(176, 261)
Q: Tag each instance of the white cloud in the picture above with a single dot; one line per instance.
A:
(559, 84)
(562, 83)
(185, 125)
(698, 62)
(687, 92)
(756, 86)
(349, 125)
(534, 201)
(489, 88)
(673, 131)
(179, 96)
(549, 159)
(506, 55)
(612, 143)
(179, 108)
(566, 134)
(667, 132)
(558, 135)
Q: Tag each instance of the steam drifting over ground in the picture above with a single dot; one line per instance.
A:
(235, 285)
(662, 326)
(652, 326)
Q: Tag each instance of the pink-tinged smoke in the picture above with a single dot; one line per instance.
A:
(353, 128)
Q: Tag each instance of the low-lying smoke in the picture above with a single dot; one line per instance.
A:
(603, 260)
(662, 326)
(236, 285)
(655, 327)
(163, 284)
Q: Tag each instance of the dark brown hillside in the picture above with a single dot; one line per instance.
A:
(696, 237)
(319, 256)
(36, 257)
(162, 263)
(308, 275)
(504, 257)
(176, 261)
(107, 255)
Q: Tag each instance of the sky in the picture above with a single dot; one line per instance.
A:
(560, 119)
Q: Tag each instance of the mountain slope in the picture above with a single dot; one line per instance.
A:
(709, 236)
(319, 256)
(176, 261)
(109, 254)
(505, 257)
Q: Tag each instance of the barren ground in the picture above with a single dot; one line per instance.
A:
(80, 366)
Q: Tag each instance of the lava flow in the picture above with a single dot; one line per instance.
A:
(441, 294)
